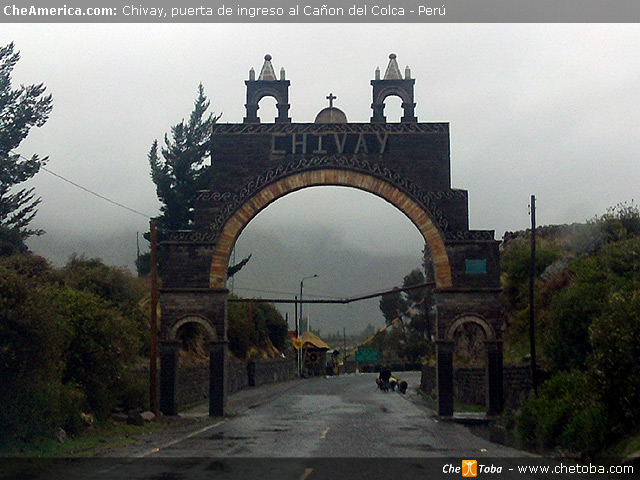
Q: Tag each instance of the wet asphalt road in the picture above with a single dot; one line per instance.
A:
(340, 428)
(343, 416)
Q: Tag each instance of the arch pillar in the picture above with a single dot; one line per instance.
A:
(493, 379)
(454, 308)
(217, 378)
(444, 376)
(169, 359)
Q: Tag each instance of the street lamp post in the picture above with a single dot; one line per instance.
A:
(299, 326)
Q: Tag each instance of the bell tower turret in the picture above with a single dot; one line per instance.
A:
(393, 84)
(267, 85)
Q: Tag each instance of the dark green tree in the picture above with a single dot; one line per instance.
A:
(392, 305)
(11, 242)
(178, 167)
(20, 110)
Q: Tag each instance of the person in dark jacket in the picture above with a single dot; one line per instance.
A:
(383, 379)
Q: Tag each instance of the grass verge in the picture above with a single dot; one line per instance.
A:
(102, 436)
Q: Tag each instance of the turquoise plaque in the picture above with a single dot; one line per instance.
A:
(476, 267)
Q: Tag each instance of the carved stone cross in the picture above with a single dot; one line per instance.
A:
(331, 98)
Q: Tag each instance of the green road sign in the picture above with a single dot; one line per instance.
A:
(367, 355)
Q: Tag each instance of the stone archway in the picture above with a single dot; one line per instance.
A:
(408, 164)
(493, 362)
(211, 333)
(231, 230)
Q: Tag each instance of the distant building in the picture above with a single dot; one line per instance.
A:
(314, 354)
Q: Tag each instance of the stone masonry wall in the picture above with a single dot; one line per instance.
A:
(469, 384)
(193, 380)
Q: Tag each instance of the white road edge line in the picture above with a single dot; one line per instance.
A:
(182, 439)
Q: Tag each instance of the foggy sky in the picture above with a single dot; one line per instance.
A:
(549, 109)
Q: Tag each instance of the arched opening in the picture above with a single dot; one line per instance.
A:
(267, 110)
(193, 333)
(294, 215)
(414, 211)
(470, 336)
(393, 110)
(354, 241)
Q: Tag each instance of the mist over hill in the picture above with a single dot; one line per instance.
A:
(279, 261)
(117, 248)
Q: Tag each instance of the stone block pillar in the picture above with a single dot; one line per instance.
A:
(444, 377)
(169, 356)
(217, 378)
(494, 387)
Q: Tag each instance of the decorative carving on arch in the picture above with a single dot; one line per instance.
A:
(489, 333)
(259, 198)
(173, 331)
(233, 201)
(314, 128)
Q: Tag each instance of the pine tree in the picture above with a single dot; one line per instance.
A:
(178, 169)
(20, 109)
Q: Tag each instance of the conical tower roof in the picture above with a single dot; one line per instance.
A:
(267, 73)
(393, 71)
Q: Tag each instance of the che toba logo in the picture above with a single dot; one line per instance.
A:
(470, 468)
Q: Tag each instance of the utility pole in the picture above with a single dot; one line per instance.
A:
(295, 321)
(344, 352)
(532, 277)
(153, 321)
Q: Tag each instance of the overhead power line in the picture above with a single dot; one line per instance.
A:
(88, 191)
(95, 194)
(343, 301)
(283, 292)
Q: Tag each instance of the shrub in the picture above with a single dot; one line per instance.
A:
(515, 264)
(267, 326)
(33, 340)
(102, 345)
(237, 330)
(64, 350)
(566, 343)
(620, 222)
(588, 430)
(545, 416)
(614, 369)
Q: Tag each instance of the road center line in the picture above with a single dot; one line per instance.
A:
(306, 473)
(324, 434)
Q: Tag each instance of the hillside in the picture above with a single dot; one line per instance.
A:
(587, 312)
